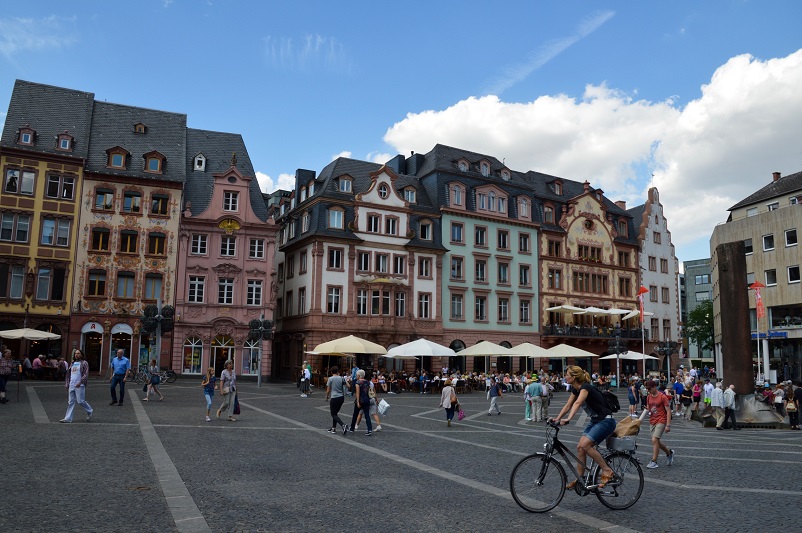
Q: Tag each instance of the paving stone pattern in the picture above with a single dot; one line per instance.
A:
(276, 469)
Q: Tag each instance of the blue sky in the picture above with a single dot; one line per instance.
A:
(700, 99)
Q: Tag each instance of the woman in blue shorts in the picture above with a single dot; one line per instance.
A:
(632, 396)
(601, 425)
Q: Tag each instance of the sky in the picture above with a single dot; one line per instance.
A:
(699, 99)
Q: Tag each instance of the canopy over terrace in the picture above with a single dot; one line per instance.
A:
(419, 348)
(564, 351)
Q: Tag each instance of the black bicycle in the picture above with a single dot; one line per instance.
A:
(537, 482)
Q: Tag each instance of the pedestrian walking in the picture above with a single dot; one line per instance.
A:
(75, 383)
(686, 400)
(659, 421)
(361, 402)
(792, 407)
(696, 392)
(335, 394)
(533, 401)
(155, 379)
(708, 391)
(207, 383)
(228, 390)
(373, 402)
(717, 403)
(729, 407)
(448, 401)
(632, 397)
(547, 390)
(306, 377)
(120, 366)
(494, 394)
(6, 367)
(779, 399)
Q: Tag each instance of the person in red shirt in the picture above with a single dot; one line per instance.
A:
(659, 410)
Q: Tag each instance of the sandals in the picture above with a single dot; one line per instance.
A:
(606, 478)
(570, 485)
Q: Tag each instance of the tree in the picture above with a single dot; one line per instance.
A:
(699, 325)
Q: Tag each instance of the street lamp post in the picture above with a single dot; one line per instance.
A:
(618, 348)
(666, 348)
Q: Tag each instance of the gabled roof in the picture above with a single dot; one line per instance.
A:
(113, 125)
(50, 111)
(218, 147)
(785, 185)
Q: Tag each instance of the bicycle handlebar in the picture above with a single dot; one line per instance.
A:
(556, 425)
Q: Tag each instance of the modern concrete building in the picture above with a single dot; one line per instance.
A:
(768, 222)
(698, 288)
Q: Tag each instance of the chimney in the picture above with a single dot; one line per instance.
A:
(622, 204)
(586, 185)
(775, 175)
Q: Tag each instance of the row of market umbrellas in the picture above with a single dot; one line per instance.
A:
(625, 314)
(427, 348)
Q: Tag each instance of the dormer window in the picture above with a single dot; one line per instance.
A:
(26, 136)
(64, 142)
(117, 157)
(622, 228)
(384, 191)
(345, 185)
(140, 128)
(303, 193)
(409, 195)
(200, 163)
(311, 188)
(505, 175)
(484, 169)
(558, 188)
(463, 166)
(154, 162)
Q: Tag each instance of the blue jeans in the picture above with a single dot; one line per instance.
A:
(366, 412)
(118, 378)
(598, 431)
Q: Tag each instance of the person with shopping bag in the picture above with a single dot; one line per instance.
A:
(448, 401)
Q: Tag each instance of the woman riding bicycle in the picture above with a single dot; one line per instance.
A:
(601, 425)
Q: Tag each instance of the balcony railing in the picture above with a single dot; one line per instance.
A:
(593, 331)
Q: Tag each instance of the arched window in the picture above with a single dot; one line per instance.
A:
(193, 355)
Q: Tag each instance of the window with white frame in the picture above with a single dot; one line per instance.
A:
(480, 308)
(373, 223)
(225, 291)
(305, 223)
(345, 185)
(424, 267)
(257, 249)
(525, 310)
(199, 244)
(793, 274)
(484, 169)
(524, 278)
(197, 287)
(524, 243)
(504, 273)
(60, 187)
(335, 258)
(772, 206)
(362, 302)
(15, 227)
(19, 182)
(302, 300)
(228, 246)
(302, 263)
(56, 232)
(523, 207)
(336, 218)
(391, 226)
(768, 242)
(230, 201)
(399, 262)
(503, 239)
(12, 279)
(426, 231)
(771, 277)
(480, 236)
(503, 310)
(456, 195)
(456, 232)
(480, 270)
(790, 237)
(382, 263)
(363, 261)
(424, 305)
(50, 283)
(333, 300)
(409, 195)
(254, 294)
(400, 304)
(457, 301)
(456, 268)
(748, 247)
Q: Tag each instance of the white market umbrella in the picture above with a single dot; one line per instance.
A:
(486, 349)
(531, 351)
(629, 356)
(29, 334)
(420, 347)
(633, 314)
(349, 344)
(564, 309)
(564, 351)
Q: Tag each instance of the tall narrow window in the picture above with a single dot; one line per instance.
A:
(228, 246)
(199, 242)
(125, 285)
(132, 202)
(225, 291)
(153, 287)
(254, 296)
(158, 205)
(156, 244)
(197, 287)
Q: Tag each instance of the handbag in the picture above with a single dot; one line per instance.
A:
(145, 387)
(226, 390)
(453, 398)
(461, 414)
(383, 407)
(371, 393)
(236, 405)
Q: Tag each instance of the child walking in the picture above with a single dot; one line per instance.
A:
(208, 390)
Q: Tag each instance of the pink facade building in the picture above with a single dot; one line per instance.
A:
(226, 252)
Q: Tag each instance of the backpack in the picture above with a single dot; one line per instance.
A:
(611, 400)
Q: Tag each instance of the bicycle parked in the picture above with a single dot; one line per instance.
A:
(537, 482)
(168, 375)
(138, 376)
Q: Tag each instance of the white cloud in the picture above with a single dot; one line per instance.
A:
(545, 53)
(378, 157)
(19, 35)
(267, 184)
(705, 157)
(311, 53)
(344, 153)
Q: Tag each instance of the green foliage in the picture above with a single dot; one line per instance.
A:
(699, 325)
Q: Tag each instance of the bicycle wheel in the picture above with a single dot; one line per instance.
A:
(626, 488)
(171, 376)
(537, 483)
(129, 376)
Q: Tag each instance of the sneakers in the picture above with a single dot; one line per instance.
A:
(378, 428)
(303, 396)
(345, 430)
(528, 419)
(113, 402)
(64, 421)
(208, 419)
(89, 416)
(670, 459)
(368, 433)
(331, 430)
(652, 464)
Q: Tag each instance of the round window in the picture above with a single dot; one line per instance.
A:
(383, 191)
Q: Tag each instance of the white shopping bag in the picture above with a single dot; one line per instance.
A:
(383, 407)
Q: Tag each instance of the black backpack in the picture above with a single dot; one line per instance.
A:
(611, 400)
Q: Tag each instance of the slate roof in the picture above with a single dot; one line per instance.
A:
(784, 185)
(113, 125)
(50, 111)
(217, 148)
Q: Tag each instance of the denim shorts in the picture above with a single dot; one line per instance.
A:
(598, 431)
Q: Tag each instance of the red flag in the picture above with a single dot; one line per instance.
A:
(643, 290)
